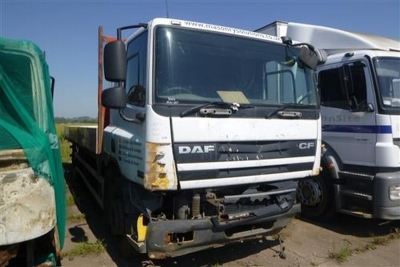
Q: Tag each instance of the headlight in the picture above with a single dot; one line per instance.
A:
(394, 192)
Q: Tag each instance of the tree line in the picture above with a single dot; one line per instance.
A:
(82, 119)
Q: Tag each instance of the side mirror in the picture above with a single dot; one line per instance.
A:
(308, 57)
(312, 57)
(115, 61)
(114, 98)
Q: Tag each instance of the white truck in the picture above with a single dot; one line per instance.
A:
(203, 138)
(359, 90)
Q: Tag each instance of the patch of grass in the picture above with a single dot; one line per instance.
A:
(86, 248)
(65, 145)
(76, 217)
(70, 200)
(65, 151)
(341, 255)
(365, 248)
(384, 240)
(381, 240)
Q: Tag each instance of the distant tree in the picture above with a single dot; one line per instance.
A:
(81, 119)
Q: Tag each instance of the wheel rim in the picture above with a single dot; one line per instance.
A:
(309, 192)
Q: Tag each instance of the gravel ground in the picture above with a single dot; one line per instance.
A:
(346, 241)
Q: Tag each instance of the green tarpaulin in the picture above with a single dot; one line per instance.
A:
(26, 116)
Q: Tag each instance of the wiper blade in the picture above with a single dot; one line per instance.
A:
(286, 106)
(231, 106)
(197, 108)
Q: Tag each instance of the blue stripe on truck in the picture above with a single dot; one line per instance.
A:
(377, 129)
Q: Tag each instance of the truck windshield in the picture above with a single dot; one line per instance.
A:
(193, 67)
(388, 71)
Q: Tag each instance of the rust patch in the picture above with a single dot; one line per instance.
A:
(157, 170)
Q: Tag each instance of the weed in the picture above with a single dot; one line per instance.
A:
(341, 255)
(70, 200)
(76, 217)
(384, 240)
(86, 248)
(380, 240)
(364, 248)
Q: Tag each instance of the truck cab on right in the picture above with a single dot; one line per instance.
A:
(359, 91)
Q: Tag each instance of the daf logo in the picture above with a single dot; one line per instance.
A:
(306, 145)
(195, 149)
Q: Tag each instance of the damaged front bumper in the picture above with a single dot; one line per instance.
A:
(178, 237)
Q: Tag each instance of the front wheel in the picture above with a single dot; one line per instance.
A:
(317, 197)
(113, 202)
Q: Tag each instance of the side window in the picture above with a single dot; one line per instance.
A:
(136, 70)
(343, 87)
(356, 86)
(330, 84)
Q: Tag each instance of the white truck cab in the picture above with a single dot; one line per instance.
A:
(359, 90)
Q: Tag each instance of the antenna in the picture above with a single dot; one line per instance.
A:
(166, 8)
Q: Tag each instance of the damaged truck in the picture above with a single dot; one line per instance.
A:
(32, 186)
(203, 136)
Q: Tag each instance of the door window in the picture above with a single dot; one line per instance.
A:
(136, 71)
(344, 87)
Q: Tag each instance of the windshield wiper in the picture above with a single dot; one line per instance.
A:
(285, 106)
(231, 106)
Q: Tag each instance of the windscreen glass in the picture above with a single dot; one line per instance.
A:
(193, 66)
(388, 71)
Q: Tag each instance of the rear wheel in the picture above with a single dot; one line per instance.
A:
(317, 197)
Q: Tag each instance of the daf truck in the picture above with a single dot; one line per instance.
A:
(359, 92)
(32, 186)
(202, 137)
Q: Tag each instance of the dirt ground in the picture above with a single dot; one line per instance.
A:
(359, 242)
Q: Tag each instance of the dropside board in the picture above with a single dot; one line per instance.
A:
(83, 136)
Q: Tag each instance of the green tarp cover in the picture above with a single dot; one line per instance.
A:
(26, 116)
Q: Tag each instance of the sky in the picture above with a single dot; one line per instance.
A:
(67, 29)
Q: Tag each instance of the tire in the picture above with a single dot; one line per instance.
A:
(113, 210)
(319, 192)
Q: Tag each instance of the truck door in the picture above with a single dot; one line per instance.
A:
(347, 111)
(131, 140)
